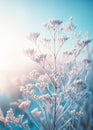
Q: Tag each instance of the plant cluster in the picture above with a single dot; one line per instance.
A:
(58, 86)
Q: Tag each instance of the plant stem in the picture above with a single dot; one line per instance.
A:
(54, 52)
(65, 124)
(54, 120)
(31, 119)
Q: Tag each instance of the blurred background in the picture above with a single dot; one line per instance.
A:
(19, 18)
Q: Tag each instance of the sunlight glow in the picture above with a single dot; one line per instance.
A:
(8, 35)
(12, 60)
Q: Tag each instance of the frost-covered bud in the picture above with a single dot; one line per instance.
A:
(44, 97)
(30, 86)
(24, 104)
(22, 88)
(33, 36)
(35, 112)
(73, 112)
(33, 75)
(54, 94)
(46, 40)
(85, 42)
(43, 78)
(30, 53)
(48, 27)
(65, 53)
(40, 58)
(80, 85)
(86, 62)
(78, 113)
(37, 85)
(10, 112)
(73, 72)
(77, 82)
(63, 39)
(55, 22)
(44, 84)
(67, 89)
(70, 24)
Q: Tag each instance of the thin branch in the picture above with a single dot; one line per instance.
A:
(65, 124)
(62, 114)
(31, 119)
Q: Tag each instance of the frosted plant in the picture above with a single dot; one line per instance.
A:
(11, 118)
(57, 92)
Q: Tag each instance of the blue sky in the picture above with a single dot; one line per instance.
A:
(32, 13)
(19, 17)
